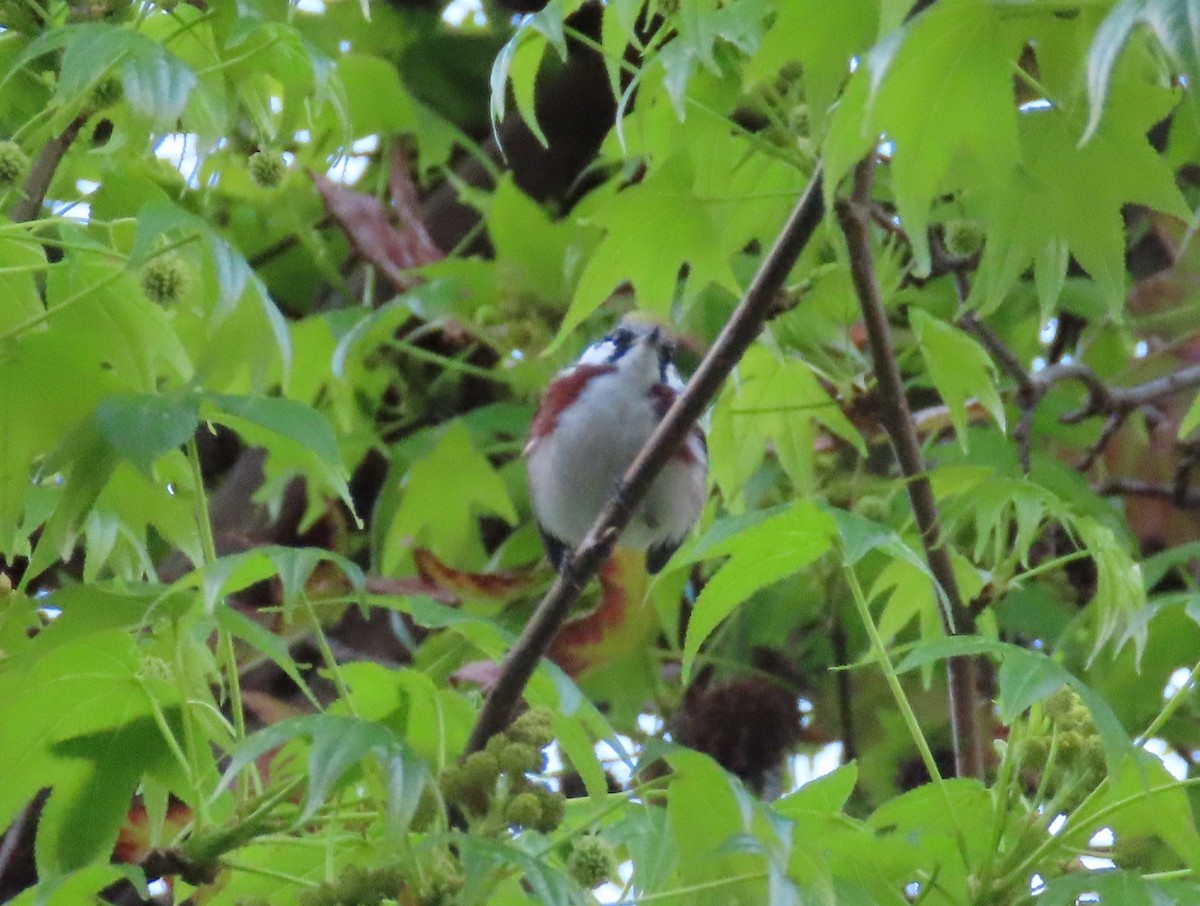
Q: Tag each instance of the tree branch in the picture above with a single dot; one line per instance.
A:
(37, 183)
(743, 326)
(1134, 487)
(854, 216)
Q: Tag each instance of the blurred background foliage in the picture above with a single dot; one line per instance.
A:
(279, 286)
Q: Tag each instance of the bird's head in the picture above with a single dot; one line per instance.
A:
(641, 349)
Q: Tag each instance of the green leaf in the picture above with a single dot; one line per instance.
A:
(1142, 799)
(776, 404)
(653, 228)
(960, 369)
(444, 494)
(89, 462)
(1190, 419)
(295, 435)
(957, 58)
(266, 642)
(949, 821)
(1120, 591)
(706, 812)
(158, 220)
(336, 744)
(482, 857)
(826, 795)
(823, 37)
(759, 556)
(1026, 677)
(1176, 25)
(157, 85)
(577, 745)
(81, 819)
(89, 685)
(1035, 211)
(860, 536)
(519, 62)
(529, 242)
(142, 427)
(1100, 886)
(378, 102)
(20, 261)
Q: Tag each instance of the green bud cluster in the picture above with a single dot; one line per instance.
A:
(166, 278)
(492, 784)
(1078, 763)
(267, 169)
(964, 237)
(592, 861)
(442, 880)
(108, 91)
(13, 164)
(357, 886)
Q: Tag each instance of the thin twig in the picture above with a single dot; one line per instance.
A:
(743, 326)
(1107, 433)
(854, 216)
(37, 183)
(1135, 487)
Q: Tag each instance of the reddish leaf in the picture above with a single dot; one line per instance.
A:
(407, 204)
(618, 626)
(500, 586)
(133, 841)
(478, 673)
(368, 224)
(410, 585)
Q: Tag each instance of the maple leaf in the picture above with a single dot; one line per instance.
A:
(653, 229)
(1040, 211)
(957, 58)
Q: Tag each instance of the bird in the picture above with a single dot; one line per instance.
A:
(591, 421)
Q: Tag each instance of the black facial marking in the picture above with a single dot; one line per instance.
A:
(622, 340)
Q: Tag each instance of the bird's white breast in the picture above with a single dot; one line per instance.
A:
(574, 468)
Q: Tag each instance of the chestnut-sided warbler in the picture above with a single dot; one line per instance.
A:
(591, 422)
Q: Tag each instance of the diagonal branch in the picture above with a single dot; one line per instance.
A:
(854, 216)
(743, 326)
(42, 171)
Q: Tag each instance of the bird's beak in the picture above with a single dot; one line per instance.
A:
(655, 336)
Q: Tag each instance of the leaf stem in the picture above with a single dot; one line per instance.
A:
(327, 653)
(693, 888)
(1170, 707)
(901, 698)
(29, 323)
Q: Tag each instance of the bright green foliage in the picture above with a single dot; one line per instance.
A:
(232, 447)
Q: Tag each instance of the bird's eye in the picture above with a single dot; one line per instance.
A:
(622, 337)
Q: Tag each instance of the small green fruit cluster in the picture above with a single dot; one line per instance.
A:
(165, 278)
(356, 886)
(13, 164)
(964, 237)
(592, 861)
(1070, 751)
(267, 169)
(493, 783)
(108, 91)
(442, 879)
